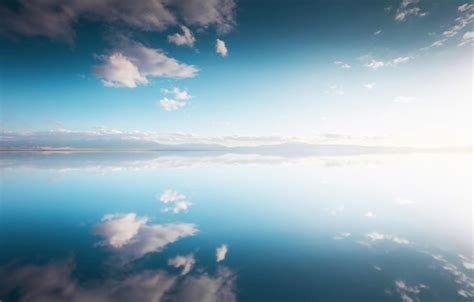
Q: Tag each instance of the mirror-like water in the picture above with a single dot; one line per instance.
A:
(223, 227)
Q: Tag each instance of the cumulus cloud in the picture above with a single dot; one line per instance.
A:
(55, 19)
(186, 38)
(179, 202)
(171, 196)
(186, 262)
(407, 8)
(131, 237)
(132, 64)
(119, 71)
(467, 38)
(55, 281)
(170, 104)
(178, 101)
(221, 252)
(221, 48)
(342, 65)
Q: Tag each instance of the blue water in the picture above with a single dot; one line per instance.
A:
(109, 227)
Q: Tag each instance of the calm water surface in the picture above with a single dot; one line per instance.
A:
(227, 227)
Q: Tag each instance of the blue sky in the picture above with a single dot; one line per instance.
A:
(396, 71)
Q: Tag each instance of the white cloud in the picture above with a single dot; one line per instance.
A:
(221, 48)
(407, 8)
(378, 32)
(467, 263)
(186, 38)
(119, 71)
(374, 64)
(186, 262)
(133, 63)
(71, 139)
(171, 196)
(409, 293)
(400, 60)
(131, 237)
(179, 206)
(465, 281)
(370, 215)
(55, 18)
(342, 65)
(465, 18)
(55, 281)
(466, 7)
(403, 99)
(179, 94)
(467, 38)
(208, 288)
(369, 86)
(221, 252)
(179, 201)
(376, 236)
(342, 235)
(118, 229)
(170, 104)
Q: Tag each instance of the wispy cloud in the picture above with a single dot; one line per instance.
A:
(342, 235)
(466, 17)
(408, 8)
(342, 65)
(376, 64)
(409, 293)
(376, 236)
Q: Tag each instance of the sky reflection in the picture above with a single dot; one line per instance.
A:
(368, 228)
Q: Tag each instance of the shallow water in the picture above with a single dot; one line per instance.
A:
(228, 227)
